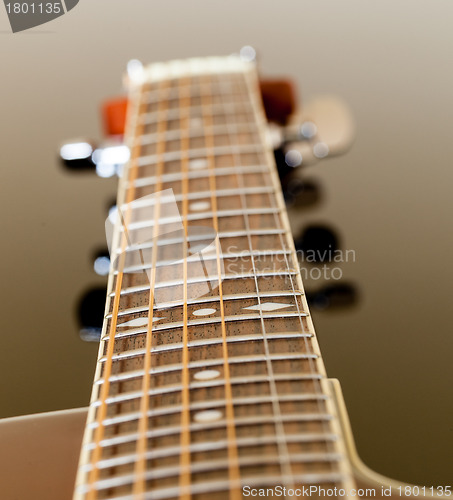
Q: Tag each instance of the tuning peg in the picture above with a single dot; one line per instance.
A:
(248, 53)
(101, 262)
(324, 128)
(340, 295)
(299, 192)
(91, 314)
(78, 155)
(317, 244)
(106, 160)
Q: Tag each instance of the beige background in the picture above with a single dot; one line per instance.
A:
(390, 196)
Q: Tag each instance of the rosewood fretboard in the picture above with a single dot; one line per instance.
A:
(209, 376)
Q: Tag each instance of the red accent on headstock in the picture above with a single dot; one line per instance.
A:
(114, 113)
(279, 99)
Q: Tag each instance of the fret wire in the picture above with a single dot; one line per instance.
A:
(200, 216)
(199, 322)
(233, 468)
(199, 174)
(194, 153)
(232, 102)
(175, 93)
(141, 445)
(220, 193)
(144, 288)
(99, 432)
(209, 362)
(153, 138)
(168, 410)
(210, 446)
(128, 396)
(176, 347)
(284, 459)
(215, 486)
(152, 117)
(221, 234)
(218, 424)
(238, 296)
(206, 466)
(208, 257)
(200, 405)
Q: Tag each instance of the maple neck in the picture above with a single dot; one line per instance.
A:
(209, 375)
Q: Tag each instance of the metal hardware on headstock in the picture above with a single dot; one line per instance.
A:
(106, 160)
(101, 262)
(248, 53)
(323, 129)
(77, 155)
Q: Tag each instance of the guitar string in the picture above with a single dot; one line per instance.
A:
(253, 84)
(139, 486)
(130, 171)
(185, 456)
(284, 458)
(233, 459)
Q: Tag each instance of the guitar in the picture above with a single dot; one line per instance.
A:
(210, 382)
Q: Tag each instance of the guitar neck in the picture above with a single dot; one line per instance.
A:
(209, 377)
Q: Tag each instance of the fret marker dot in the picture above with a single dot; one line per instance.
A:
(139, 322)
(196, 122)
(200, 206)
(268, 307)
(204, 312)
(206, 375)
(207, 416)
(198, 164)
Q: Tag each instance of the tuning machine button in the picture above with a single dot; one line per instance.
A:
(101, 262)
(300, 192)
(77, 155)
(336, 296)
(90, 312)
(324, 128)
(106, 160)
(317, 243)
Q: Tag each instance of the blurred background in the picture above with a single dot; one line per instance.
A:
(388, 199)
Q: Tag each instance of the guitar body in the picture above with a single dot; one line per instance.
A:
(40, 454)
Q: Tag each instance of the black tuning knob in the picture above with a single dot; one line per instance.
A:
(300, 193)
(90, 313)
(337, 296)
(317, 244)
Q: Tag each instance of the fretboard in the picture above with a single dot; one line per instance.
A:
(209, 377)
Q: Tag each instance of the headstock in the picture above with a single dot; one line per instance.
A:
(299, 136)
